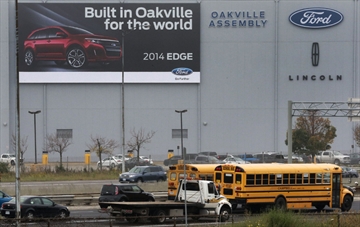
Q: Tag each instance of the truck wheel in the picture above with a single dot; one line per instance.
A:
(337, 162)
(160, 217)
(139, 180)
(12, 162)
(346, 206)
(225, 213)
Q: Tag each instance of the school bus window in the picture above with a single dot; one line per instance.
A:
(172, 176)
(278, 178)
(218, 177)
(285, 178)
(250, 179)
(258, 179)
(319, 178)
(228, 178)
(192, 175)
(238, 178)
(292, 178)
(266, 179)
(299, 178)
(312, 178)
(272, 179)
(326, 178)
(306, 178)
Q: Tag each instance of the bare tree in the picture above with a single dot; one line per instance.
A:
(57, 144)
(101, 145)
(139, 139)
(356, 132)
(23, 145)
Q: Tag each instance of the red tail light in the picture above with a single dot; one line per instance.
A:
(116, 191)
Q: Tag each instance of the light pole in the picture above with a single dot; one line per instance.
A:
(123, 99)
(34, 113)
(183, 157)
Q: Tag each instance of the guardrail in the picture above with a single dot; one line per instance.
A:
(87, 199)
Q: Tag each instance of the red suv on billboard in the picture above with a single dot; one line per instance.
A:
(72, 45)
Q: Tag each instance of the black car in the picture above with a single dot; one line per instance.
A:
(123, 193)
(189, 158)
(144, 174)
(34, 206)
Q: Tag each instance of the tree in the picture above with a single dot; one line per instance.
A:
(101, 145)
(356, 132)
(23, 146)
(57, 144)
(139, 139)
(312, 134)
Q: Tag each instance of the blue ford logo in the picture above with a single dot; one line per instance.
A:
(182, 71)
(316, 17)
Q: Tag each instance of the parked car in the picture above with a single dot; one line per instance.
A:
(4, 197)
(123, 193)
(34, 206)
(248, 157)
(349, 172)
(110, 162)
(355, 158)
(129, 164)
(203, 159)
(222, 156)
(71, 45)
(235, 160)
(119, 156)
(172, 161)
(189, 158)
(145, 158)
(269, 158)
(144, 174)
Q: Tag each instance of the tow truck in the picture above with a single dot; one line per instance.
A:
(200, 198)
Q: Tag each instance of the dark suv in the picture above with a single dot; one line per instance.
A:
(72, 45)
(144, 173)
(123, 193)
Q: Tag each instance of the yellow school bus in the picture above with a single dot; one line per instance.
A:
(192, 171)
(291, 186)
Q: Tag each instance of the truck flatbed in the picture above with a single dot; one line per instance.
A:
(169, 204)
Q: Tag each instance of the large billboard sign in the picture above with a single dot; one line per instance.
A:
(90, 43)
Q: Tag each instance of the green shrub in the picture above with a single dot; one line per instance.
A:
(4, 167)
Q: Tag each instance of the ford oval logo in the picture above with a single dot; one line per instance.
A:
(182, 71)
(316, 17)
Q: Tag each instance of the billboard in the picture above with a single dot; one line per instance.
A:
(98, 43)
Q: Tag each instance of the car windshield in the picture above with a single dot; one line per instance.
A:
(136, 170)
(77, 31)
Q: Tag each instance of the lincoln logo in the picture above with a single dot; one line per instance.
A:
(316, 17)
(315, 54)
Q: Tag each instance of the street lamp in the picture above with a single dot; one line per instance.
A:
(123, 99)
(183, 157)
(34, 113)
